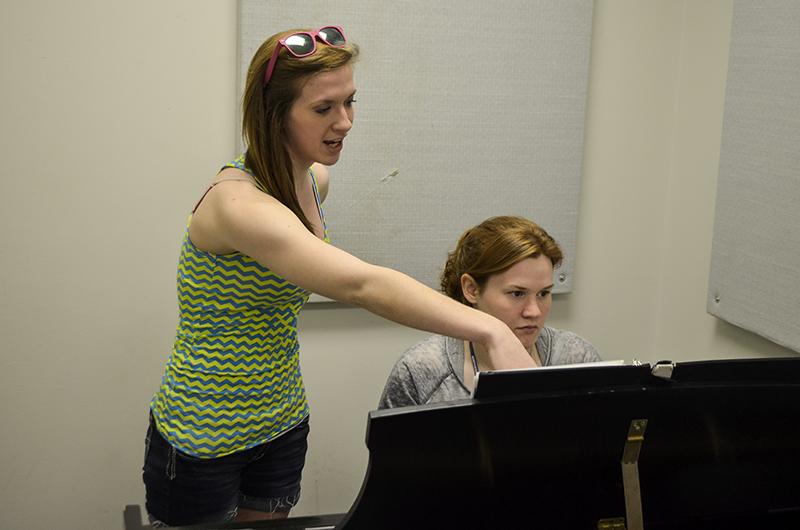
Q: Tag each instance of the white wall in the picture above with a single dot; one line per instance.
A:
(115, 114)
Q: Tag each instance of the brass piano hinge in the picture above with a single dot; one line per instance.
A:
(613, 523)
(630, 474)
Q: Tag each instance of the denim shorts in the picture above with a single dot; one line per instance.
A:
(184, 490)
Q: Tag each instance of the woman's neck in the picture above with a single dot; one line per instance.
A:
(300, 170)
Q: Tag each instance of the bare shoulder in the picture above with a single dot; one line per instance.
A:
(322, 177)
(240, 205)
(228, 205)
(236, 216)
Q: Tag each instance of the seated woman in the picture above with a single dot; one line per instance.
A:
(504, 267)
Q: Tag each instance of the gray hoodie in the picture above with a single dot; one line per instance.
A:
(433, 370)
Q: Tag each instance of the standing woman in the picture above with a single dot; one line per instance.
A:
(229, 423)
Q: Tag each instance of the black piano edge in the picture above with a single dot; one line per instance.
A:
(772, 519)
(133, 521)
(740, 373)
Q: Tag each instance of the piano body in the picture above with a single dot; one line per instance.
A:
(712, 444)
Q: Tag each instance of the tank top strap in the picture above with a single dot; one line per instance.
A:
(238, 163)
(319, 206)
(214, 184)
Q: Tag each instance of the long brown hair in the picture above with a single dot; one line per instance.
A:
(265, 110)
(492, 247)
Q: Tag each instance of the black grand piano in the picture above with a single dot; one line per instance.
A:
(693, 445)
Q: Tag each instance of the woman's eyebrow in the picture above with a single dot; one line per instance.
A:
(329, 101)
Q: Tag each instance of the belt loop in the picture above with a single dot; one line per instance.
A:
(171, 463)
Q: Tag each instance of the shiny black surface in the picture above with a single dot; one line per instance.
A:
(721, 450)
(722, 445)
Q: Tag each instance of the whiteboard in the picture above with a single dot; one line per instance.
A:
(456, 120)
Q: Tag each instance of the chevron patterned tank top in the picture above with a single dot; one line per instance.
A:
(233, 377)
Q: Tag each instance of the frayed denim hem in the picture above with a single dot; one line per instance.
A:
(276, 504)
(155, 523)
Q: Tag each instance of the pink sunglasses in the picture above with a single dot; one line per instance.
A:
(303, 44)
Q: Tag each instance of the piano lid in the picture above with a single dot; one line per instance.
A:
(721, 445)
(720, 450)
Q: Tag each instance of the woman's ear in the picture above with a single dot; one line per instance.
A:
(470, 288)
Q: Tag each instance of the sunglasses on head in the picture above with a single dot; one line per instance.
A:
(304, 43)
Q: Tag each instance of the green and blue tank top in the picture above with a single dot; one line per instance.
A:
(233, 378)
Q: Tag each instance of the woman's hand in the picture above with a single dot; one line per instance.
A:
(506, 351)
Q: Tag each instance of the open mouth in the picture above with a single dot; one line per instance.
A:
(333, 143)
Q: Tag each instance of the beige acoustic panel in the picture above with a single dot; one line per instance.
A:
(755, 265)
(457, 119)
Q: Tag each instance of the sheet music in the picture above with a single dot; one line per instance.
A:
(556, 368)
(616, 362)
